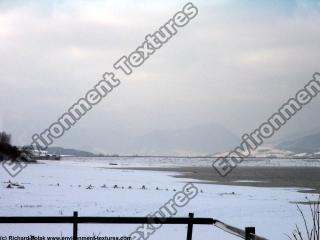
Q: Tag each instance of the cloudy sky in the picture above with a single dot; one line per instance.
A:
(235, 64)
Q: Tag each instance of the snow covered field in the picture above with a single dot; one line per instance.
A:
(60, 187)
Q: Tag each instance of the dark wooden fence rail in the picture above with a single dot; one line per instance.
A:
(247, 234)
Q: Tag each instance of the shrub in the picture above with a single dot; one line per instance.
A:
(312, 230)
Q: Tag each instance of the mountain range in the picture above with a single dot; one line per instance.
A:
(69, 152)
(197, 140)
(202, 140)
(308, 144)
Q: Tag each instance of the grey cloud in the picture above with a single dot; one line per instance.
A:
(231, 65)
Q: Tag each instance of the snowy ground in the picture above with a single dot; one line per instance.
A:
(59, 188)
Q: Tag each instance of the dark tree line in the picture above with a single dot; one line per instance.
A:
(6, 149)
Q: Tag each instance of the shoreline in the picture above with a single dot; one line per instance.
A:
(282, 177)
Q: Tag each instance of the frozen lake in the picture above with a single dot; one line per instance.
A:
(58, 188)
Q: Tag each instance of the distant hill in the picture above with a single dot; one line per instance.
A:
(203, 140)
(69, 151)
(308, 144)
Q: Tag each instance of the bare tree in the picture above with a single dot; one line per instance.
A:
(5, 138)
(312, 230)
(9, 151)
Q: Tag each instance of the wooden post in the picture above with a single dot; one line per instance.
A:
(249, 232)
(75, 225)
(190, 227)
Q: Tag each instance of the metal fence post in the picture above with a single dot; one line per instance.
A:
(75, 225)
(249, 232)
(190, 227)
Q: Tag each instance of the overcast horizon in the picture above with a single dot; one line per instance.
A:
(233, 65)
